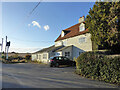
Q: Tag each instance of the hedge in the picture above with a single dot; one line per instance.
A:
(97, 66)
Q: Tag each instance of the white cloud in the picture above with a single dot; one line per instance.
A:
(36, 24)
(46, 27)
(29, 25)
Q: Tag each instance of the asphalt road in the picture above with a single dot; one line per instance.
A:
(26, 75)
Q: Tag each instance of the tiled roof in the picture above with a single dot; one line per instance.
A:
(74, 31)
(63, 48)
(51, 48)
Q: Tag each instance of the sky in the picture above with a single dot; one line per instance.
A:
(32, 32)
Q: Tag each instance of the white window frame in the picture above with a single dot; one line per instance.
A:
(44, 56)
(82, 40)
(67, 54)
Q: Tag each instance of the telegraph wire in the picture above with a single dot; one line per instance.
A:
(31, 41)
(34, 8)
(25, 19)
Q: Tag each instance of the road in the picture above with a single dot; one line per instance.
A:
(27, 75)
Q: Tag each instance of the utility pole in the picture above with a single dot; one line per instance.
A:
(1, 48)
(5, 47)
(2, 45)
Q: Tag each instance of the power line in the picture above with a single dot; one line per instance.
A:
(25, 19)
(31, 40)
(34, 8)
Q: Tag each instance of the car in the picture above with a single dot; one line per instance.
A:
(22, 60)
(60, 60)
(14, 60)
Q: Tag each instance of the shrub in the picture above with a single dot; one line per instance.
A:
(98, 66)
(28, 57)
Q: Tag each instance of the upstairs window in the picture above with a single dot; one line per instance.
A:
(67, 54)
(82, 27)
(82, 40)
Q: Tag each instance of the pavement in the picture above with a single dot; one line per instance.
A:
(27, 75)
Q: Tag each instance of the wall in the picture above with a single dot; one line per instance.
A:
(58, 43)
(85, 46)
(83, 27)
(78, 47)
(34, 57)
(41, 59)
(69, 49)
(39, 56)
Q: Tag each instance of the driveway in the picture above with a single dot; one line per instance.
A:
(26, 75)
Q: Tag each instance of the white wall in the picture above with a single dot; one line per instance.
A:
(58, 43)
(34, 57)
(85, 46)
(83, 27)
(41, 59)
(79, 47)
(69, 49)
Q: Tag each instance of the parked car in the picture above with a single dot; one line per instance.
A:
(22, 60)
(60, 60)
(14, 60)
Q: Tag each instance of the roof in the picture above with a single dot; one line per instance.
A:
(74, 31)
(51, 48)
(64, 48)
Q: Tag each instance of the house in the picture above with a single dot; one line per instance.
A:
(71, 43)
(44, 54)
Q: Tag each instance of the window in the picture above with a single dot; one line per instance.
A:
(81, 28)
(39, 57)
(66, 58)
(67, 54)
(81, 40)
(44, 56)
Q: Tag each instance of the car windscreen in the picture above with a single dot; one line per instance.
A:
(51, 58)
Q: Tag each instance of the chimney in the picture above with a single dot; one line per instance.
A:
(81, 19)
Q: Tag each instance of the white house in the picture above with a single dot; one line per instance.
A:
(70, 43)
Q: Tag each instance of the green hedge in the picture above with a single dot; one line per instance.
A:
(97, 66)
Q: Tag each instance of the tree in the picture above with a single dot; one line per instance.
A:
(103, 22)
(28, 57)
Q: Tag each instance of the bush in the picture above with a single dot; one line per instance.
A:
(28, 57)
(98, 66)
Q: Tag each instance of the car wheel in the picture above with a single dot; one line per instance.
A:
(57, 65)
(51, 65)
(73, 64)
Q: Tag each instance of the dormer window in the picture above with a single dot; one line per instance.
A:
(81, 27)
(64, 32)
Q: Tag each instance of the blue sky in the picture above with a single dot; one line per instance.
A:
(43, 26)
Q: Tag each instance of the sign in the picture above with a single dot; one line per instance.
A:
(8, 43)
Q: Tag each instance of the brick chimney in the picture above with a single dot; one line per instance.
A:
(81, 19)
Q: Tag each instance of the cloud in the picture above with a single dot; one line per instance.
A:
(36, 24)
(29, 25)
(46, 27)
